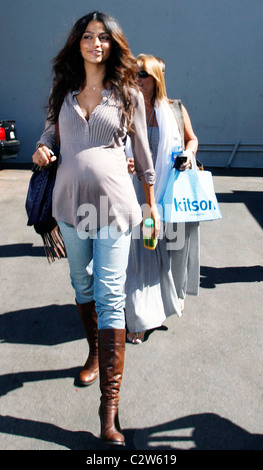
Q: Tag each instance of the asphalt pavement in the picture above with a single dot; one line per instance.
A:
(195, 383)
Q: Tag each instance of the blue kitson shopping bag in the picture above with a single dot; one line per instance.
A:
(190, 197)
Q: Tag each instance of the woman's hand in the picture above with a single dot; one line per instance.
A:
(43, 156)
(188, 164)
(153, 213)
(150, 208)
(156, 218)
(131, 167)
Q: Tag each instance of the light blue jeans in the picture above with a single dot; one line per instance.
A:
(97, 264)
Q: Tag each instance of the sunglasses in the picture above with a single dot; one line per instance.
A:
(142, 74)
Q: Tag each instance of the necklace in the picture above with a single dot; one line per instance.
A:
(92, 87)
(149, 118)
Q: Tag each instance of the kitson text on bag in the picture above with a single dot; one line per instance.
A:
(195, 206)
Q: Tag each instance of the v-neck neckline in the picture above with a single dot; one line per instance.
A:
(104, 93)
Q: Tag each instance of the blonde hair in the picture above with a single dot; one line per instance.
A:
(152, 66)
(161, 62)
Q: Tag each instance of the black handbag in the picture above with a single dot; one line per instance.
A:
(39, 209)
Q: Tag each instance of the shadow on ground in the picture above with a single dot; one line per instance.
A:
(210, 276)
(209, 432)
(49, 325)
(253, 200)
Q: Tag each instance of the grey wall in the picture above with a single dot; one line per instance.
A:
(212, 50)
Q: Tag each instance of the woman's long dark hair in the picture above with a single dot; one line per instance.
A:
(69, 72)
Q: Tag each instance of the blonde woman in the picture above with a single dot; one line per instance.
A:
(158, 281)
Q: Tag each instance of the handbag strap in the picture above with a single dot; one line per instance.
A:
(176, 106)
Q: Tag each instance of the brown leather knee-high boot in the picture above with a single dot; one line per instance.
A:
(88, 316)
(111, 363)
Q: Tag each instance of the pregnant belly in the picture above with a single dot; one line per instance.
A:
(98, 170)
(87, 179)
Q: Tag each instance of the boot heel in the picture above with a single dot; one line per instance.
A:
(110, 433)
